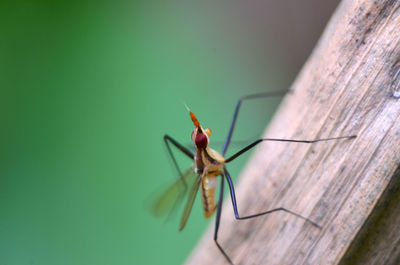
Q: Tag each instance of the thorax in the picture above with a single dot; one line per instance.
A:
(209, 162)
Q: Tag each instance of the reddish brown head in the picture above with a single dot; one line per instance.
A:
(199, 135)
(201, 140)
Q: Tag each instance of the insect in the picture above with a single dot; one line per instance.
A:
(207, 167)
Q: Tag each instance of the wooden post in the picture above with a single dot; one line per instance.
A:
(349, 187)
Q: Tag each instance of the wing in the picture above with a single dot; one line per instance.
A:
(189, 203)
(171, 197)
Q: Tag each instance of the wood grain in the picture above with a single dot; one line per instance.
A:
(346, 186)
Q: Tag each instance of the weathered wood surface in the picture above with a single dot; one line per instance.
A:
(349, 187)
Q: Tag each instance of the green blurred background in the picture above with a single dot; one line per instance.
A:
(89, 89)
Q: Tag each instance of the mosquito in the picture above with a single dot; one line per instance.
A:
(208, 166)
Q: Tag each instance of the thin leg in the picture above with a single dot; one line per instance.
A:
(218, 218)
(182, 148)
(250, 146)
(236, 211)
(236, 113)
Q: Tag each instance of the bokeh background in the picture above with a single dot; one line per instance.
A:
(88, 89)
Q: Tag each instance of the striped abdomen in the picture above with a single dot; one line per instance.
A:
(208, 186)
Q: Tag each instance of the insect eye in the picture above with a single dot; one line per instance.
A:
(201, 140)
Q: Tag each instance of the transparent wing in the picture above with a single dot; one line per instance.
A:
(189, 203)
(174, 194)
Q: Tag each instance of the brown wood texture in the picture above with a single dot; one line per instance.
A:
(349, 187)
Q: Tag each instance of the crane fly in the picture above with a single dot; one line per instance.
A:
(207, 167)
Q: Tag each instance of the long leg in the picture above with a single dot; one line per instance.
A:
(236, 113)
(247, 148)
(236, 211)
(218, 218)
(182, 148)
